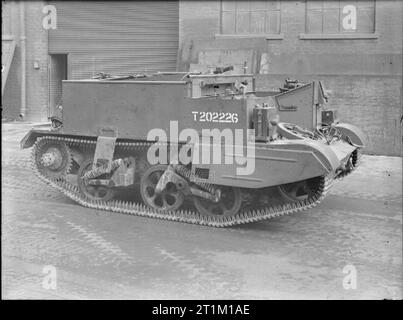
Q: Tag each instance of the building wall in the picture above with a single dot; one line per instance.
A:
(122, 37)
(11, 100)
(36, 51)
(117, 37)
(363, 75)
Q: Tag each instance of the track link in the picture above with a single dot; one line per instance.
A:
(187, 216)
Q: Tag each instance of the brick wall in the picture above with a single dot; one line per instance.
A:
(364, 75)
(36, 51)
(11, 100)
(369, 102)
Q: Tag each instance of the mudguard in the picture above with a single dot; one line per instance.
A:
(356, 136)
(30, 138)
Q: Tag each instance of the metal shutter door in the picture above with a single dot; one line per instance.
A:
(118, 37)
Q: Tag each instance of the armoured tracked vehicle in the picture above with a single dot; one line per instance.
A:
(98, 150)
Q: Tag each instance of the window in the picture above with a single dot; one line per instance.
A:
(250, 17)
(340, 16)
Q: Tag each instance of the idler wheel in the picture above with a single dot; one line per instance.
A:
(52, 158)
(169, 199)
(299, 191)
(94, 192)
(229, 204)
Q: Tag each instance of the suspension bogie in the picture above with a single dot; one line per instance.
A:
(167, 190)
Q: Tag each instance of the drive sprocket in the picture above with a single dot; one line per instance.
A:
(52, 158)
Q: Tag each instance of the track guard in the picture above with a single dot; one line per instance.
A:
(29, 139)
(356, 136)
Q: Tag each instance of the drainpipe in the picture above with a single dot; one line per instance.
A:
(23, 62)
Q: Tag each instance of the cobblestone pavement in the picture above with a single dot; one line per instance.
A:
(98, 254)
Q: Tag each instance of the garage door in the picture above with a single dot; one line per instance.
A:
(116, 37)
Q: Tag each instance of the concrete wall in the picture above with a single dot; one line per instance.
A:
(36, 51)
(364, 75)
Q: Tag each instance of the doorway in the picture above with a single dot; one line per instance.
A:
(58, 71)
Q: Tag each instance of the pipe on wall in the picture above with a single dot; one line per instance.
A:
(23, 61)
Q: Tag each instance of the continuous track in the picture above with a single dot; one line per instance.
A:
(188, 216)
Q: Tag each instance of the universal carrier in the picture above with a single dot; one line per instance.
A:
(96, 150)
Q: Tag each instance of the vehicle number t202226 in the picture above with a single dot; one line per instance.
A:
(222, 117)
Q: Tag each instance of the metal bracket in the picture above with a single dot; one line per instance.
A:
(124, 174)
(206, 195)
(182, 184)
(104, 150)
(171, 176)
(101, 182)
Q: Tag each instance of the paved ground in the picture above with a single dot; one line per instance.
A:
(99, 254)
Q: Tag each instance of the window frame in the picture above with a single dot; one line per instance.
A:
(268, 36)
(338, 35)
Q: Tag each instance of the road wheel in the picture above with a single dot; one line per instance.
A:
(94, 192)
(170, 199)
(229, 204)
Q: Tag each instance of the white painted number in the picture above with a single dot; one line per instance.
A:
(350, 20)
(50, 20)
(221, 117)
